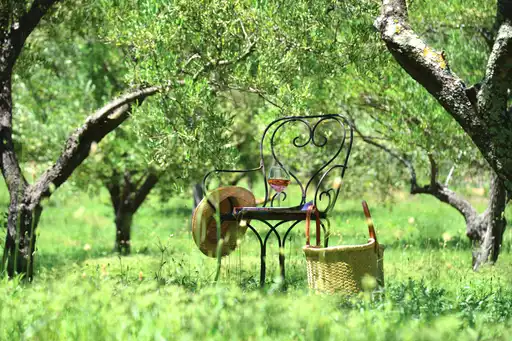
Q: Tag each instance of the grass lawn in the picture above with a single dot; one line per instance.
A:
(165, 290)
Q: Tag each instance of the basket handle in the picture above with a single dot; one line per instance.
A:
(308, 224)
(369, 221)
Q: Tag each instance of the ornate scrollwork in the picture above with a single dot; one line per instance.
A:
(314, 138)
(282, 196)
(330, 193)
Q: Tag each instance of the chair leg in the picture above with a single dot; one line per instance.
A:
(262, 265)
(263, 252)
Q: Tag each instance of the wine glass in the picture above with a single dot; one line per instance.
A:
(278, 179)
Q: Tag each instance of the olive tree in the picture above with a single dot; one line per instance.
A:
(18, 21)
(187, 53)
(482, 109)
(92, 72)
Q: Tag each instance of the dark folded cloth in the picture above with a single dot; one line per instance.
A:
(238, 210)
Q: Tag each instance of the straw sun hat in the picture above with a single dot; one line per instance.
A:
(204, 227)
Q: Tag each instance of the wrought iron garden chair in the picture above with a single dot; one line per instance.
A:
(327, 138)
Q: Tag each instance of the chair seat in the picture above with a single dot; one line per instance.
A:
(269, 213)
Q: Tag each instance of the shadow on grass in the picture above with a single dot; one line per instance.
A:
(78, 257)
(180, 211)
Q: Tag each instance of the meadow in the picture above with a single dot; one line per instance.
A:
(165, 290)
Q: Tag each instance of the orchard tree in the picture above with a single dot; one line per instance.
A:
(18, 19)
(186, 51)
(400, 118)
(92, 72)
(288, 48)
(471, 37)
(65, 72)
(124, 164)
(395, 114)
(482, 109)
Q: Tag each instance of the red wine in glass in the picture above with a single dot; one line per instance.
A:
(278, 185)
(278, 178)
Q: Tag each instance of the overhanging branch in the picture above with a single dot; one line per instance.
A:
(78, 145)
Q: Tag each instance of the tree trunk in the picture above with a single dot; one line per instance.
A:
(23, 215)
(20, 240)
(197, 194)
(126, 198)
(123, 221)
(486, 230)
(481, 110)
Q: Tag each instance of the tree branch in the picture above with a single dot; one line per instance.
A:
(127, 189)
(143, 191)
(212, 64)
(448, 196)
(441, 192)
(427, 66)
(28, 22)
(114, 191)
(79, 143)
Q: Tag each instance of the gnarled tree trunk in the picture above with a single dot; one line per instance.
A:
(24, 212)
(20, 240)
(24, 209)
(482, 110)
(486, 230)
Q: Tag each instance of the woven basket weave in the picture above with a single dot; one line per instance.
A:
(342, 268)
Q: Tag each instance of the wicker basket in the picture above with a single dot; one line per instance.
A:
(342, 268)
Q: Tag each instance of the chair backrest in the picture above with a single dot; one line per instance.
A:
(319, 147)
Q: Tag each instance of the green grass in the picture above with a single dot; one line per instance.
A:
(165, 290)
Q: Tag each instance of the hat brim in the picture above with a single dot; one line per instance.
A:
(204, 225)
